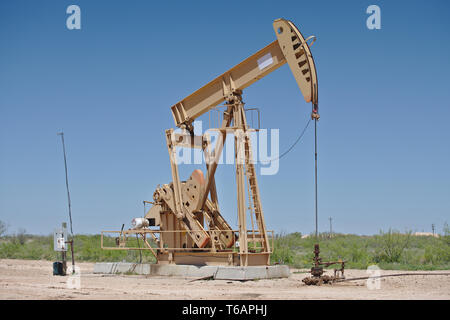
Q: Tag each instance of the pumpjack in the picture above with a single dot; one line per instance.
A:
(190, 227)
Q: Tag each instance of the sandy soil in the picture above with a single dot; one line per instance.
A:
(27, 279)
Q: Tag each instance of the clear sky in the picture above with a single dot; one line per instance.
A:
(384, 131)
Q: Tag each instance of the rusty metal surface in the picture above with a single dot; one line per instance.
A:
(318, 277)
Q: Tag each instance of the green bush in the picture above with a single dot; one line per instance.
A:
(391, 245)
(389, 250)
(282, 254)
(86, 248)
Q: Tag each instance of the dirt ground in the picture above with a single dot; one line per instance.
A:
(28, 279)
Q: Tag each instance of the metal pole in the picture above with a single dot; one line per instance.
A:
(331, 228)
(315, 177)
(68, 197)
(73, 258)
(315, 115)
(63, 253)
(67, 180)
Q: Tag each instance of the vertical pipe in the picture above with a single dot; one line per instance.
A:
(67, 181)
(315, 174)
(69, 204)
(331, 227)
(73, 258)
(63, 253)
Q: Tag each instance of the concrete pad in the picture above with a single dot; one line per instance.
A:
(191, 271)
(121, 267)
(278, 271)
(252, 272)
(183, 270)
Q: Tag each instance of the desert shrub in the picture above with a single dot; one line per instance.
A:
(437, 252)
(390, 250)
(282, 252)
(8, 250)
(20, 237)
(391, 245)
(3, 228)
(446, 236)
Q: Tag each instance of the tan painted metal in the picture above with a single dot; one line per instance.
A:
(191, 228)
(299, 57)
(162, 245)
(290, 47)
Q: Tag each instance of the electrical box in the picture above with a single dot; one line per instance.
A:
(60, 239)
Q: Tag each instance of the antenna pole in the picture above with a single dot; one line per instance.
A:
(68, 198)
(331, 227)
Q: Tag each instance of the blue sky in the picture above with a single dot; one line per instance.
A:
(384, 134)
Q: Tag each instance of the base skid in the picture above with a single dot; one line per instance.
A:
(213, 259)
(190, 271)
